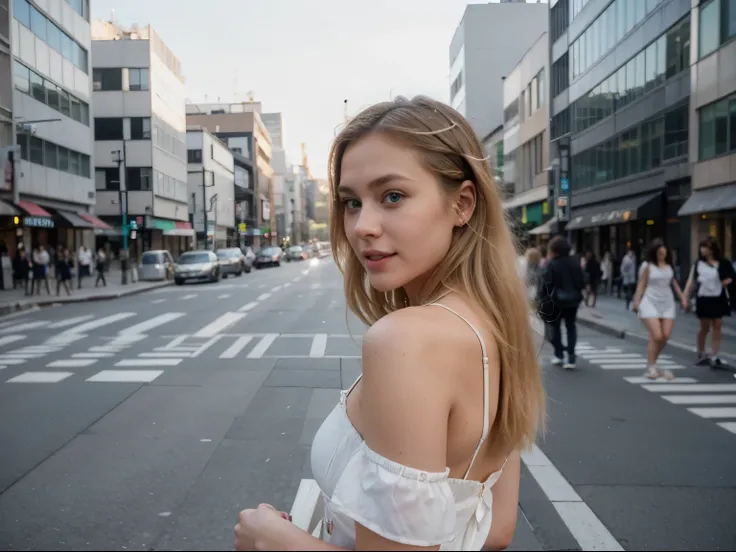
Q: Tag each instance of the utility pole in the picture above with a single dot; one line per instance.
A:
(204, 207)
(123, 199)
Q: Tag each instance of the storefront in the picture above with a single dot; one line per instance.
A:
(713, 213)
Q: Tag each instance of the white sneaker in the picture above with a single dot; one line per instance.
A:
(652, 372)
(569, 366)
(556, 361)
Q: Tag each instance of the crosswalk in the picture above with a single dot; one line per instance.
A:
(614, 358)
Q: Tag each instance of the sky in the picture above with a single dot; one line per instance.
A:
(303, 57)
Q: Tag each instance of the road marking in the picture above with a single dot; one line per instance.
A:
(63, 339)
(319, 344)
(728, 426)
(699, 387)
(295, 280)
(11, 339)
(93, 355)
(143, 327)
(700, 399)
(11, 361)
(235, 348)
(15, 354)
(640, 366)
(305, 272)
(157, 301)
(275, 289)
(41, 377)
(262, 346)
(28, 326)
(105, 349)
(164, 355)
(660, 382)
(287, 284)
(224, 296)
(173, 343)
(249, 306)
(221, 323)
(71, 363)
(714, 412)
(602, 355)
(206, 346)
(584, 525)
(93, 325)
(126, 376)
(189, 296)
(264, 296)
(149, 362)
(314, 286)
(70, 321)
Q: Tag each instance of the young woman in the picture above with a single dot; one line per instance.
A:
(710, 275)
(656, 305)
(593, 275)
(423, 450)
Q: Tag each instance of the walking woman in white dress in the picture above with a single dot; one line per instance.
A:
(655, 304)
(423, 450)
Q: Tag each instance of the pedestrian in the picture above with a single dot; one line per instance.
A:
(41, 262)
(64, 264)
(593, 275)
(710, 277)
(656, 305)
(24, 271)
(417, 219)
(84, 263)
(101, 267)
(560, 294)
(628, 275)
(607, 273)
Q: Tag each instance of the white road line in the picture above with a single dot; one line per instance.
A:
(71, 363)
(262, 346)
(714, 412)
(149, 362)
(143, 327)
(275, 289)
(287, 284)
(11, 361)
(235, 348)
(105, 349)
(603, 361)
(219, 325)
(14, 354)
(697, 387)
(11, 339)
(186, 350)
(41, 377)
(164, 355)
(125, 376)
(640, 366)
(63, 339)
(173, 343)
(314, 286)
(27, 326)
(70, 321)
(295, 280)
(264, 296)
(188, 296)
(319, 344)
(224, 296)
(206, 346)
(248, 306)
(305, 272)
(93, 325)
(660, 382)
(584, 525)
(157, 301)
(728, 426)
(605, 355)
(700, 399)
(93, 355)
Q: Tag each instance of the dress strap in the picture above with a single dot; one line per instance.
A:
(486, 398)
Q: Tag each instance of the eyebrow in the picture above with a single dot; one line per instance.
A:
(375, 183)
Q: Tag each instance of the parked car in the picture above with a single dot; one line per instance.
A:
(197, 265)
(269, 256)
(156, 265)
(296, 253)
(232, 261)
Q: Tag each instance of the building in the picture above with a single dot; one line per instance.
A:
(712, 145)
(526, 139)
(211, 172)
(620, 91)
(48, 193)
(488, 43)
(240, 126)
(296, 195)
(7, 133)
(140, 138)
(275, 124)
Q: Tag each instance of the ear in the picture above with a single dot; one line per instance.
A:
(466, 199)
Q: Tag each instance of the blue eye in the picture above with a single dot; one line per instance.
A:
(394, 197)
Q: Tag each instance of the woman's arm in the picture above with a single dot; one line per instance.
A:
(678, 291)
(505, 505)
(689, 284)
(641, 286)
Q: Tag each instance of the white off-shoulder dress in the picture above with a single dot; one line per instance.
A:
(399, 503)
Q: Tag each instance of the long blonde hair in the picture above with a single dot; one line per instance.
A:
(481, 261)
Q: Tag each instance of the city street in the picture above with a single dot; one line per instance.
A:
(148, 422)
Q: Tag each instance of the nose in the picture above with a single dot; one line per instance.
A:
(368, 223)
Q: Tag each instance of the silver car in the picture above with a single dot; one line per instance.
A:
(232, 261)
(156, 265)
(197, 265)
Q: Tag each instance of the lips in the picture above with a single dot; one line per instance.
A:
(374, 255)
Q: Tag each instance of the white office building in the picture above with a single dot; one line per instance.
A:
(140, 137)
(211, 177)
(48, 193)
(275, 124)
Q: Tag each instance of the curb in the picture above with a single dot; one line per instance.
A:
(17, 307)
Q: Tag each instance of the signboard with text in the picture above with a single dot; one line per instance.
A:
(38, 222)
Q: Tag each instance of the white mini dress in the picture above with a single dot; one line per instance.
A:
(400, 503)
(658, 300)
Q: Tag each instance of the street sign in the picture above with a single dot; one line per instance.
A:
(564, 184)
(242, 227)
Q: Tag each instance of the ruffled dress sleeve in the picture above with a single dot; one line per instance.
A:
(399, 503)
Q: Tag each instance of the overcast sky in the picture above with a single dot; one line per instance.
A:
(303, 57)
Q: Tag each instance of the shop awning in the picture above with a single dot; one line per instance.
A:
(180, 229)
(719, 198)
(617, 212)
(96, 223)
(33, 209)
(534, 195)
(73, 220)
(544, 229)
(7, 210)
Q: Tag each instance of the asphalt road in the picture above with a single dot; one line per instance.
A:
(149, 422)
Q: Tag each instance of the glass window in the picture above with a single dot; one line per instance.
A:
(138, 79)
(22, 12)
(634, 151)
(54, 37)
(721, 127)
(76, 109)
(84, 112)
(63, 159)
(729, 19)
(37, 90)
(645, 158)
(36, 150)
(50, 155)
(630, 13)
(620, 19)
(732, 125)
(108, 128)
(107, 79)
(67, 47)
(23, 143)
(650, 66)
(73, 162)
(64, 106)
(641, 10)
(708, 31)
(656, 130)
(630, 80)
(140, 128)
(661, 59)
(640, 74)
(81, 60)
(85, 165)
(52, 95)
(542, 90)
(21, 77)
(38, 23)
(651, 4)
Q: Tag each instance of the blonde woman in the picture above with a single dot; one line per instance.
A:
(423, 450)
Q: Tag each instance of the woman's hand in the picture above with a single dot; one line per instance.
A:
(260, 529)
(685, 302)
(635, 305)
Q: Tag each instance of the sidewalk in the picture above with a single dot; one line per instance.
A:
(12, 300)
(610, 316)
